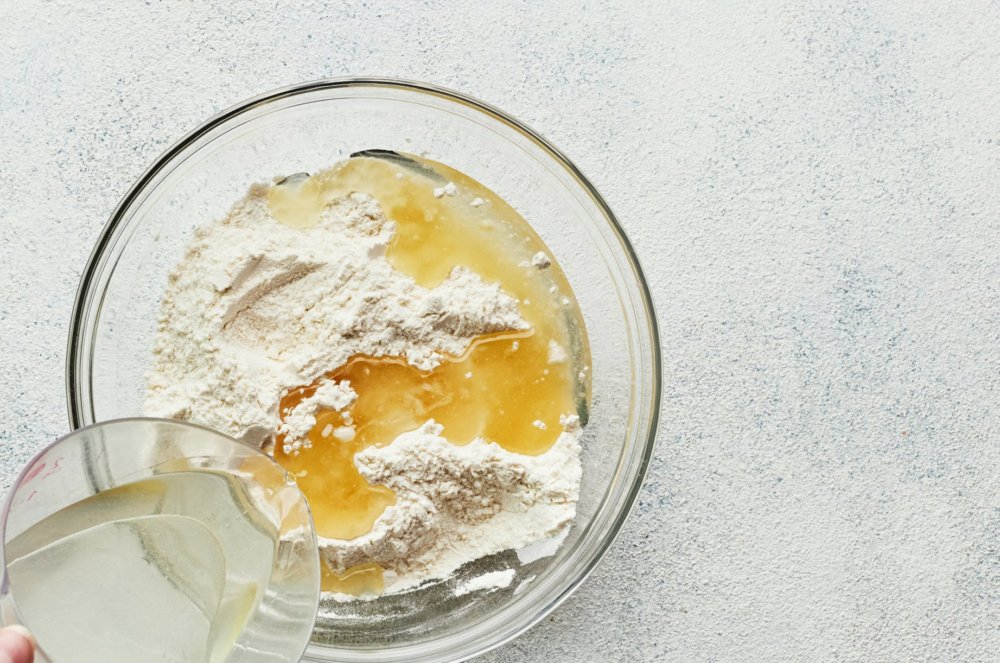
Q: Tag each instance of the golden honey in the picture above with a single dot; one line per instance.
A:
(357, 580)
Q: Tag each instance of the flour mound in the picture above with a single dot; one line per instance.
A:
(256, 308)
(477, 499)
(329, 395)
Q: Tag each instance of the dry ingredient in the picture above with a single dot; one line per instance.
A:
(257, 309)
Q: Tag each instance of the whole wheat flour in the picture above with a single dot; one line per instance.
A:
(255, 309)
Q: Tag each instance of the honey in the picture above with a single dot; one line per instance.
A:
(357, 580)
(510, 388)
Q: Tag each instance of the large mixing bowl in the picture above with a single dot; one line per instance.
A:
(308, 128)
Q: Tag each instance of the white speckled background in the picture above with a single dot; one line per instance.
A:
(814, 190)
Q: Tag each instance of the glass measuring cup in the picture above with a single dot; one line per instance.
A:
(148, 539)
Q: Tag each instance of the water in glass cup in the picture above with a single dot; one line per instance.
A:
(175, 566)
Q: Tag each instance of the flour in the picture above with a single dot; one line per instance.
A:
(541, 261)
(557, 353)
(329, 395)
(448, 189)
(256, 309)
(458, 503)
(487, 581)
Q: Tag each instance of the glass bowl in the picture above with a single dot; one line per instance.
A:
(307, 128)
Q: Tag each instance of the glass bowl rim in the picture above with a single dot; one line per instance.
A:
(93, 268)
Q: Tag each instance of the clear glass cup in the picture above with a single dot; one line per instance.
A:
(146, 535)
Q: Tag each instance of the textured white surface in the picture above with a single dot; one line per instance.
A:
(812, 187)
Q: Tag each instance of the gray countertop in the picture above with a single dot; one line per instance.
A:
(813, 190)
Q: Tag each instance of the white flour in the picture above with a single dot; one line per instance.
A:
(458, 503)
(494, 580)
(329, 395)
(256, 308)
